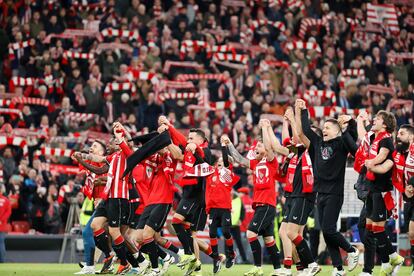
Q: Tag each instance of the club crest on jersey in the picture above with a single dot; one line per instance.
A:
(326, 153)
(149, 172)
(262, 173)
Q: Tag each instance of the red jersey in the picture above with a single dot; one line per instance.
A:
(162, 190)
(89, 189)
(116, 186)
(264, 177)
(143, 174)
(218, 188)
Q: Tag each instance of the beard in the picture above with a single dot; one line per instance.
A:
(402, 146)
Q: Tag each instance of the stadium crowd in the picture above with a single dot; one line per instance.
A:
(70, 69)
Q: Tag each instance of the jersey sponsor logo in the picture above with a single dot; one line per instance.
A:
(326, 152)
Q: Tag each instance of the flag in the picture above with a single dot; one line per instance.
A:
(384, 14)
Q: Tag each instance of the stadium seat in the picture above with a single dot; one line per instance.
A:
(21, 226)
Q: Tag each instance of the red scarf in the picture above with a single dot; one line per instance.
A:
(373, 151)
(362, 153)
(403, 168)
(307, 173)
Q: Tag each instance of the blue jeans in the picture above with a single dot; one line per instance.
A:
(2, 247)
(89, 242)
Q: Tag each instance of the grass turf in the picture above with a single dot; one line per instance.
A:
(23, 269)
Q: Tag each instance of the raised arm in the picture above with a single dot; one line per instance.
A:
(266, 128)
(177, 137)
(298, 127)
(361, 119)
(225, 156)
(309, 133)
(276, 146)
(176, 152)
(94, 158)
(234, 153)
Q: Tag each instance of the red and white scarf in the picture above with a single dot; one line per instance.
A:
(18, 46)
(263, 22)
(15, 141)
(373, 151)
(322, 94)
(131, 35)
(403, 169)
(307, 173)
(362, 153)
(116, 86)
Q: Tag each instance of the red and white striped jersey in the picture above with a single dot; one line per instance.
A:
(117, 187)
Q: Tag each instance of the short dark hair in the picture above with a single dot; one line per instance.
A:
(389, 120)
(334, 122)
(199, 132)
(102, 143)
(408, 127)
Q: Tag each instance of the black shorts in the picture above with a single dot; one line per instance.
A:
(133, 218)
(154, 216)
(263, 221)
(220, 217)
(187, 208)
(118, 211)
(198, 218)
(286, 209)
(100, 210)
(408, 211)
(375, 205)
(301, 208)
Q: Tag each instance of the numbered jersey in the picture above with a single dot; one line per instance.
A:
(264, 181)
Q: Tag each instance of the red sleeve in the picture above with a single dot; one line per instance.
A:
(177, 137)
(110, 157)
(253, 164)
(126, 149)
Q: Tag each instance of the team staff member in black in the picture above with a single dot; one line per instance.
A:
(331, 151)
(378, 167)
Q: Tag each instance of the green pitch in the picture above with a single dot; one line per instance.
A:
(19, 269)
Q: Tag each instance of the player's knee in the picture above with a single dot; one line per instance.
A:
(114, 232)
(96, 225)
(226, 233)
(251, 234)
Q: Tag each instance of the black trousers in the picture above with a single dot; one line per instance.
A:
(329, 206)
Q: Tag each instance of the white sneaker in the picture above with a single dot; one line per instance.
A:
(282, 272)
(143, 267)
(168, 261)
(353, 258)
(337, 272)
(313, 269)
(412, 273)
(86, 270)
(365, 274)
(154, 272)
